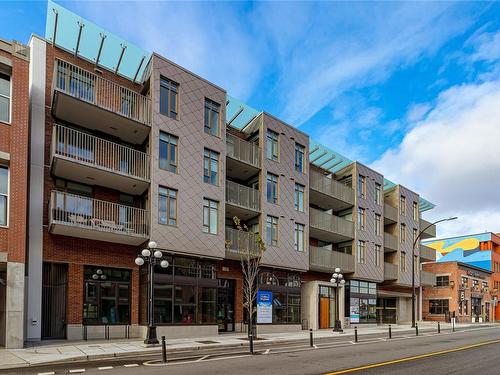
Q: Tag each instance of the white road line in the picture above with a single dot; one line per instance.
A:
(77, 371)
(131, 365)
(315, 347)
(202, 358)
(267, 351)
(105, 368)
(47, 373)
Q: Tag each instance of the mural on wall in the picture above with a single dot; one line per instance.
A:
(463, 249)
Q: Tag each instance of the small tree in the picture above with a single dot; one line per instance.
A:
(250, 247)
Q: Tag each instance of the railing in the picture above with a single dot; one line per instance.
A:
(88, 213)
(330, 187)
(330, 259)
(390, 271)
(81, 84)
(100, 153)
(239, 243)
(390, 241)
(242, 150)
(427, 278)
(242, 196)
(427, 253)
(390, 212)
(331, 223)
(429, 232)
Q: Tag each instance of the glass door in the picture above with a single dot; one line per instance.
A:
(225, 305)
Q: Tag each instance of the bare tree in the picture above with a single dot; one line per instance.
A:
(250, 248)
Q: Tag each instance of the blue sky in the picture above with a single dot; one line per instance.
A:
(371, 80)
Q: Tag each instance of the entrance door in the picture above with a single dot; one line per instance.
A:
(324, 312)
(476, 308)
(225, 305)
(54, 281)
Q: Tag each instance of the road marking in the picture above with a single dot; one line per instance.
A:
(47, 373)
(407, 359)
(105, 368)
(267, 351)
(77, 371)
(131, 365)
(315, 346)
(202, 358)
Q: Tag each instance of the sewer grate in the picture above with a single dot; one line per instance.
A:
(208, 342)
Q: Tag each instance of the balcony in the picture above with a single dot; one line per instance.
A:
(242, 201)
(390, 214)
(244, 158)
(84, 158)
(329, 228)
(86, 99)
(325, 260)
(427, 254)
(390, 271)
(427, 278)
(238, 243)
(328, 193)
(391, 243)
(84, 217)
(429, 232)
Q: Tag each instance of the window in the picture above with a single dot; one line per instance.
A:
(361, 252)
(210, 216)
(415, 211)
(169, 91)
(210, 167)
(465, 282)
(272, 230)
(442, 280)
(402, 262)
(361, 218)
(361, 186)
(415, 234)
(272, 188)
(212, 117)
(402, 205)
(378, 255)
(378, 224)
(299, 157)
(378, 193)
(4, 194)
(438, 306)
(299, 237)
(167, 206)
(4, 97)
(299, 197)
(168, 152)
(485, 284)
(272, 145)
(402, 234)
(475, 283)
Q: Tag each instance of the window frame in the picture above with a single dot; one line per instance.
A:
(361, 252)
(378, 255)
(299, 189)
(269, 181)
(442, 280)
(415, 211)
(212, 107)
(210, 157)
(174, 168)
(272, 222)
(299, 246)
(402, 233)
(378, 224)
(438, 306)
(168, 198)
(170, 86)
(402, 261)
(6, 195)
(273, 139)
(402, 205)
(361, 186)
(9, 98)
(378, 193)
(300, 150)
(361, 218)
(207, 226)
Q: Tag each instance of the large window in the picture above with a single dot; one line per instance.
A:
(439, 306)
(299, 157)
(299, 237)
(210, 216)
(4, 194)
(272, 188)
(402, 262)
(402, 205)
(169, 91)
(442, 280)
(361, 301)
(402, 234)
(415, 210)
(4, 97)
(361, 186)
(299, 197)
(167, 206)
(210, 166)
(168, 152)
(272, 230)
(361, 252)
(378, 255)
(378, 193)
(212, 117)
(107, 296)
(378, 224)
(361, 218)
(272, 145)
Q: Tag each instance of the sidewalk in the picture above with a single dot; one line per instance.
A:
(68, 351)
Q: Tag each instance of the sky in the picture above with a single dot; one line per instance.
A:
(411, 89)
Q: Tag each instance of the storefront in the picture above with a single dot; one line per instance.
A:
(361, 301)
(319, 305)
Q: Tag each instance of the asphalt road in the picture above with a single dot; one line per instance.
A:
(329, 357)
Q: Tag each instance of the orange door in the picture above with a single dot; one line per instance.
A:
(324, 312)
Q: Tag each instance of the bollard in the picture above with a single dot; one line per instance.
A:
(311, 342)
(439, 328)
(355, 334)
(390, 332)
(416, 329)
(453, 324)
(251, 343)
(163, 349)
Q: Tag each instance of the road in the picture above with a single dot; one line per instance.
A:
(465, 352)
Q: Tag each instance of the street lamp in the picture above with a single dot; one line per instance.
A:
(153, 257)
(415, 241)
(338, 280)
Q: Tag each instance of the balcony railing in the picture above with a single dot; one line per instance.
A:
(239, 243)
(87, 149)
(390, 212)
(390, 242)
(427, 253)
(242, 196)
(91, 88)
(390, 271)
(242, 150)
(427, 278)
(97, 215)
(429, 232)
(330, 223)
(325, 259)
(330, 187)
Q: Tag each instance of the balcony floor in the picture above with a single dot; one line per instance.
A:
(326, 201)
(328, 236)
(240, 170)
(241, 212)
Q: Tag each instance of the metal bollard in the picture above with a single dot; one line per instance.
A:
(416, 329)
(453, 324)
(390, 332)
(355, 334)
(311, 342)
(251, 343)
(163, 349)
(439, 328)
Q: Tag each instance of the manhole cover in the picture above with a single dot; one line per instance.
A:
(208, 342)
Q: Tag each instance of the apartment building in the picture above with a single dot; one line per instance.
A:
(14, 97)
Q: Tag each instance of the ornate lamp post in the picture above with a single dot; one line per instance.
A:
(338, 280)
(153, 257)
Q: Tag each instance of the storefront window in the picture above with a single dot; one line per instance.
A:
(361, 304)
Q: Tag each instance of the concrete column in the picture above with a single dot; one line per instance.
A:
(14, 306)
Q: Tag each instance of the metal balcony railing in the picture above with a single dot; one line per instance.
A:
(84, 85)
(242, 150)
(238, 243)
(390, 271)
(97, 152)
(321, 258)
(331, 223)
(242, 196)
(427, 253)
(427, 278)
(330, 187)
(94, 214)
(391, 242)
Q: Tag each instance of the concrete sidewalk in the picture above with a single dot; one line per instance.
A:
(69, 351)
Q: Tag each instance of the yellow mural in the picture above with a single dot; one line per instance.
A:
(465, 244)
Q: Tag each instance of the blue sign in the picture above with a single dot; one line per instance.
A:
(264, 306)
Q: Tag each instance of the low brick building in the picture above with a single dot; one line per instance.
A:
(461, 290)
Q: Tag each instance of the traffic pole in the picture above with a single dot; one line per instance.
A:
(355, 334)
(390, 332)
(439, 328)
(311, 341)
(163, 349)
(251, 343)
(416, 329)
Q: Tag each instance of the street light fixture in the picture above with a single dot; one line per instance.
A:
(415, 241)
(338, 280)
(153, 257)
